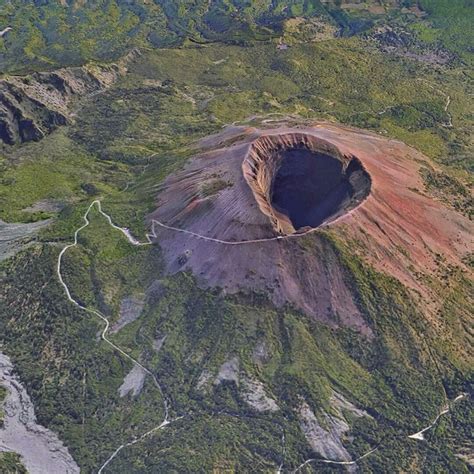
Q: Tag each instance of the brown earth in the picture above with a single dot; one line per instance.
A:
(225, 193)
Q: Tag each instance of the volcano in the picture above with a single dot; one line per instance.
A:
(257, 209)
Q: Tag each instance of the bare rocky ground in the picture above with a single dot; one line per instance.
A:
(133, 382)
(46, 205)
(256, 396)
(228, 371)
(12, 235)
(41, 451)
(252, 390)
(130, 309)
(325, 432)
(399, 41)
(158, 342)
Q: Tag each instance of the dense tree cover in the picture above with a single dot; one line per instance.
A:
(47, 34)
(10, 463)
(450, 24)
(75, 381)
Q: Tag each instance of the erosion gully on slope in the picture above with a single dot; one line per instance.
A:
(417, 436)
(166, 421)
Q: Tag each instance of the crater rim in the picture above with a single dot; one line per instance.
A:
(264, 160)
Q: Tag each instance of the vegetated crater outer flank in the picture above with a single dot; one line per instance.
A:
(232, 191)
(300, 181)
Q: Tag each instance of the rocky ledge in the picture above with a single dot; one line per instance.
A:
(33, 106)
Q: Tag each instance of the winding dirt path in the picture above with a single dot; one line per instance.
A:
(5, 31)
(132, 240)
(417, 436)
(328, 461)
(243, 242)
(166, 421)
(448, 101)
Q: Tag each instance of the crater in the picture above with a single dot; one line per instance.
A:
(312, 188)
(300, 182)
(219, 215)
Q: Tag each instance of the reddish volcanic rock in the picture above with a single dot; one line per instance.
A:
(228, 191)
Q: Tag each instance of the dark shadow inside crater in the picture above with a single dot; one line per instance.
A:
(313, 187)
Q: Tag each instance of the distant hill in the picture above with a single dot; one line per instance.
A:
(45, 34)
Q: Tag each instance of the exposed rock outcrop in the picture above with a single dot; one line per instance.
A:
(325, 433)
(228, 371)
(13, 236)
(252, 390)
(254, 393)
(133, 382)
(40, 449)
(158, 342)
(204, 380)
(130, 309)
(261, 353)
(402, 42)
(33, 106)
(325, 436)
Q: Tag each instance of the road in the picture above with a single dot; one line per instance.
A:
(417, 436)
(166, 421)
(5, 31)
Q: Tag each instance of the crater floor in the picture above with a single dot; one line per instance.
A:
(313, 187)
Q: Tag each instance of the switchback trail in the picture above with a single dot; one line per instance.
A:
(132, 240)
(166, 421)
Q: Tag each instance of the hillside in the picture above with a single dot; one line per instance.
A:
(241, 238)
